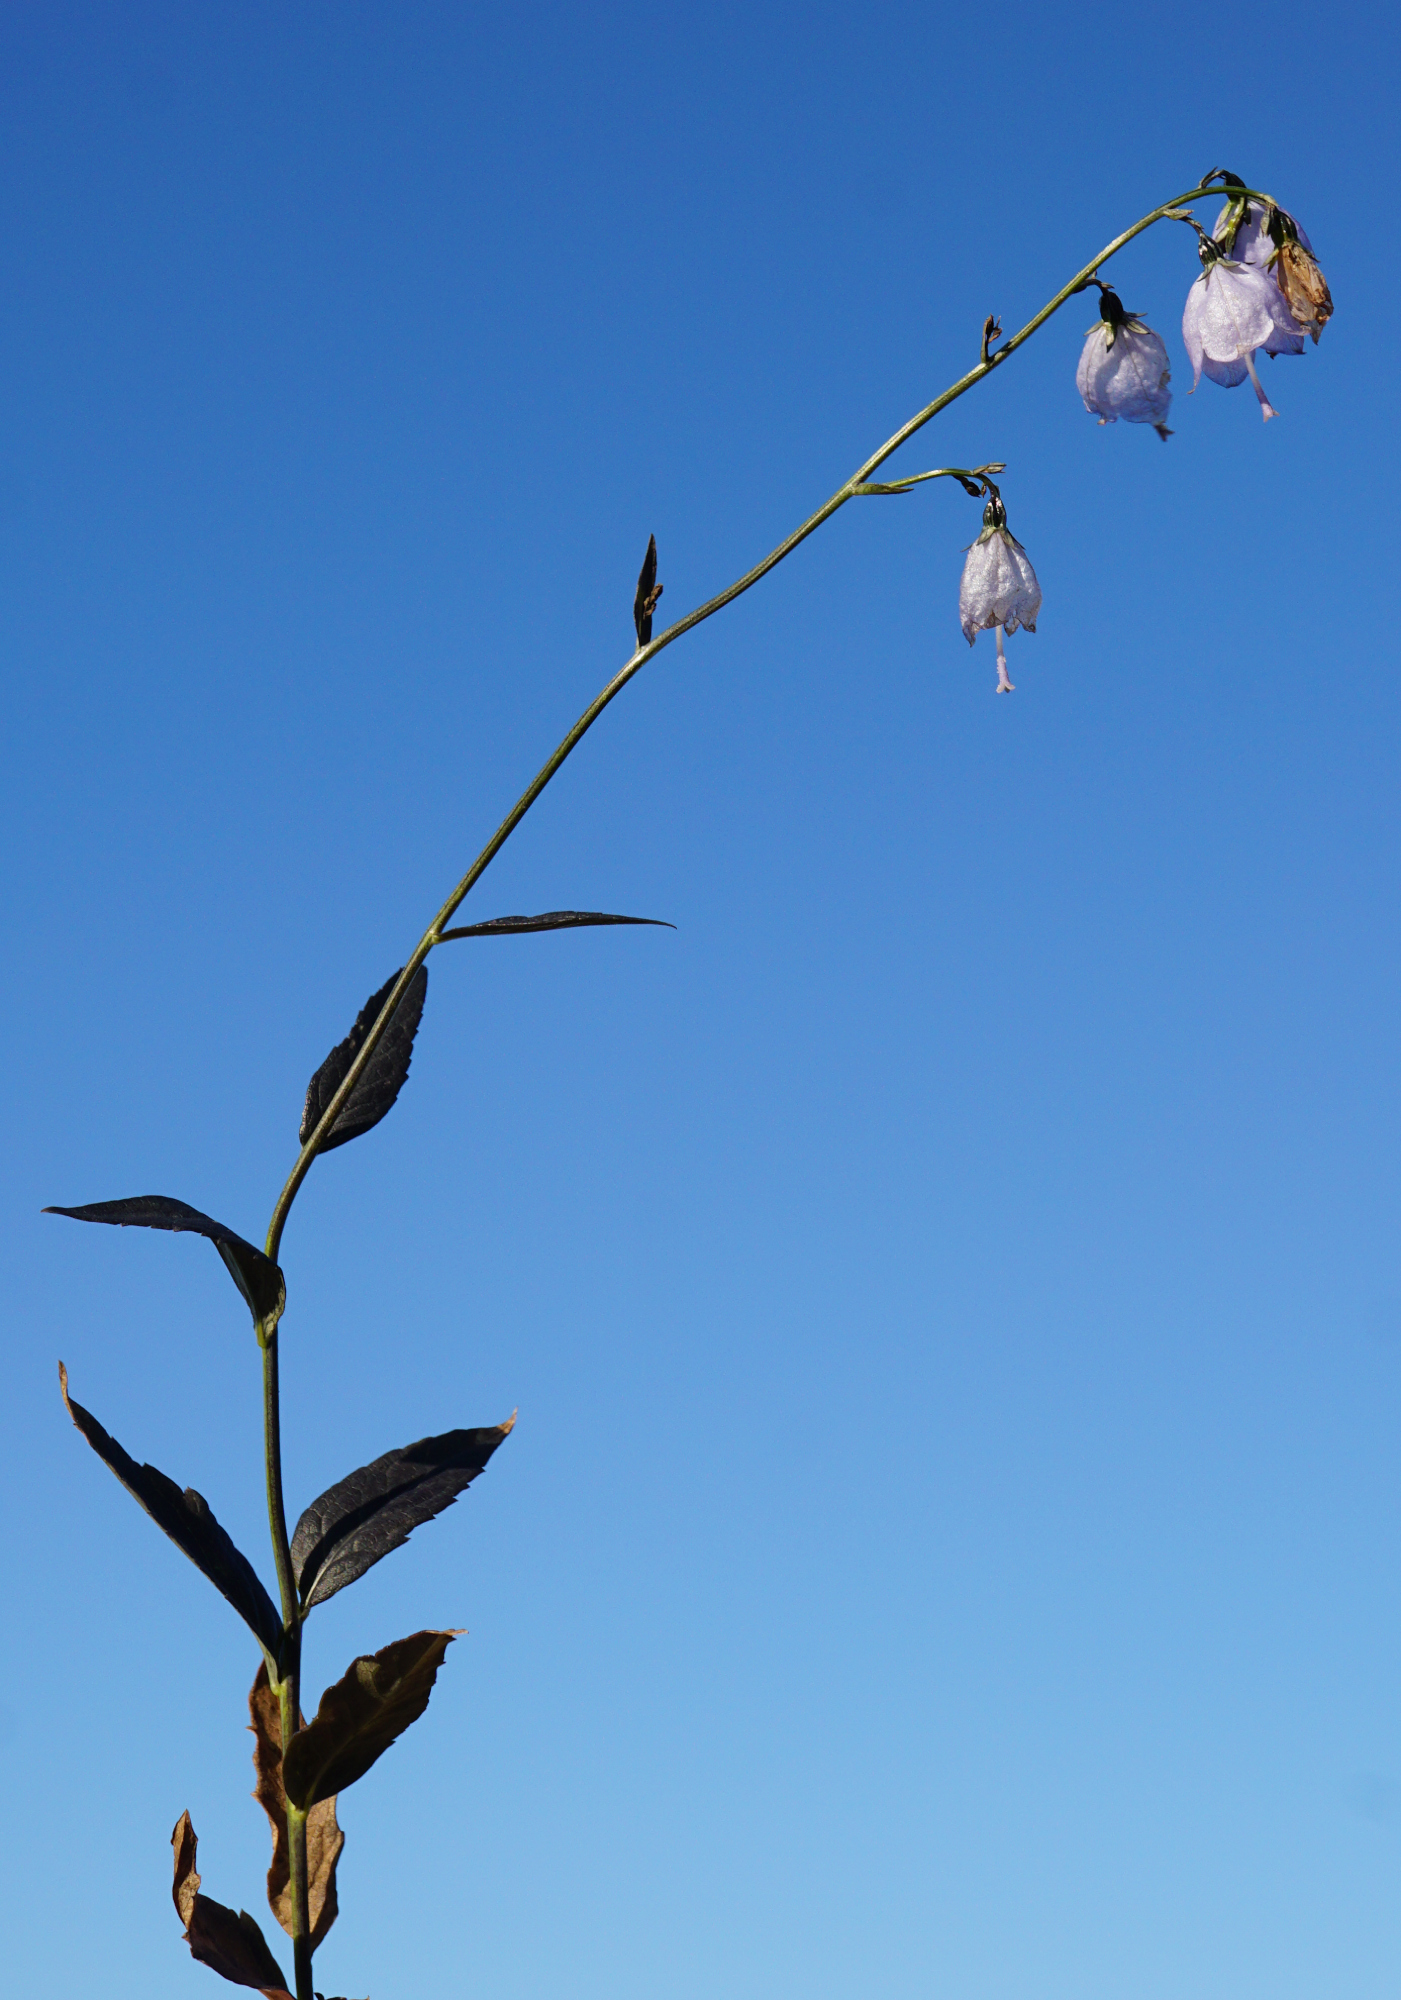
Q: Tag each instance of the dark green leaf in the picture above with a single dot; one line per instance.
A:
(552, 920)
(230, 1944)
(648, 591)
(367, 1709)
(189, 1521)
(384, 1074)
(256, 1276)
(374, 1510)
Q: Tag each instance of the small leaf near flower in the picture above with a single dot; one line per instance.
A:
(648, 592)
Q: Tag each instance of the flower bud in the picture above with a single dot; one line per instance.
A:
(998, 591)
(1123, 369)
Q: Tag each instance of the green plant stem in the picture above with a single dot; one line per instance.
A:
(288, 1682)
(959, 472)
(272, 1466)
(301, 1934)
(648, 652)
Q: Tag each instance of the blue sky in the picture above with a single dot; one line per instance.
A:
(950, 1285)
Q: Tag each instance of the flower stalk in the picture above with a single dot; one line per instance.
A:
(991, 359)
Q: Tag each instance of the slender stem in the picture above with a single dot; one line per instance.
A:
(272, 1466)
(961, 472)
(290, 1715)
(288, 1685)
(645, 653)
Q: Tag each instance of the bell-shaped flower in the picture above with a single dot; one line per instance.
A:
(1232, 311)
(1123, 369)
(999, 590)
(1271, 241)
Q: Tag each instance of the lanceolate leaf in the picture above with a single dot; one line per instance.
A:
(384, 1074)
(376, 1509)
(324, 1839)
(256, 1276)
(189, 1521)
(552, 920)
(367, 1709)
(649, 590)
(232, 1944)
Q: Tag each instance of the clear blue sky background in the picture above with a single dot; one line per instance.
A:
(950, 1284)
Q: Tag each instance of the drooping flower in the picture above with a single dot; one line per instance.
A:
(1268, 239)
(1123, 369)
(1232, 311)
(999, 590)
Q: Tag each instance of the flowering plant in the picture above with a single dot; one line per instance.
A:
(1246, 299)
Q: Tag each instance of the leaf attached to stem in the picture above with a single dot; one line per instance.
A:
(189, 1521)
(369, 1512)
(383, 1076)
(366, 1710)
(256, 1276)
(324, 1839)
(230, 1944)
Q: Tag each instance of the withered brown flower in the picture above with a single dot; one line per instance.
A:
(1304, 286)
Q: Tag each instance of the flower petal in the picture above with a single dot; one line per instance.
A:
(998, 586)
(1230, 374)
(1192, 328)
(1128, 380)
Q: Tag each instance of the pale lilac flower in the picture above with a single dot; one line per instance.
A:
(1271, 241)
(1123, 369)
(1232, 311)
(1253, 243)
(999, 590)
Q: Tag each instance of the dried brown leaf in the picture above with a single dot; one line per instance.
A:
(229, 1942)
(366, 1710)
(324, 1839)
